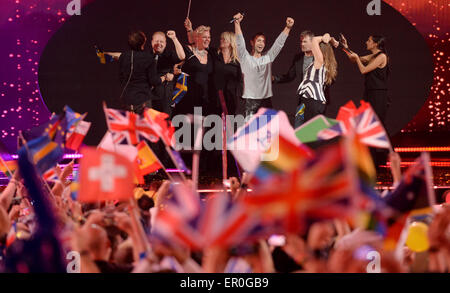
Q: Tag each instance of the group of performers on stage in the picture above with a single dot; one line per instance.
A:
(148, 77)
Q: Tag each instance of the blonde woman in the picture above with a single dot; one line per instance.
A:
(227, 71)
(199, 66)
(319, 74)
(227, 74)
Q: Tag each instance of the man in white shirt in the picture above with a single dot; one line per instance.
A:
(257, 67)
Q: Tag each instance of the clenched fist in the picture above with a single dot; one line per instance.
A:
(238, 17)
(171, 35)
(326, 38)
(289, 22)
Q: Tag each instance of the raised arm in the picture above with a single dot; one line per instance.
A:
(318, 56)
(240, 42)
(189, 30)
(114, 55)
(8, 193)
(279, 42)
(178, 47)
(364, 59)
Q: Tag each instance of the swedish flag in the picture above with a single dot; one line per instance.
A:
(180, 89)
(102, 57)
(44, 152)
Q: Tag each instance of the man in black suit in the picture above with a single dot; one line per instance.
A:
(299, 65)
(165, 60)
(138, 74)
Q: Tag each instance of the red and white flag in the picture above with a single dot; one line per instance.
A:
(77, 135)
(51, 175)
(104, 176)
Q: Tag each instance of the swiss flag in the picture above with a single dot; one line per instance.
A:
(104, 176)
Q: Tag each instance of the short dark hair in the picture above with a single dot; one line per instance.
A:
(306, 33)
(259, 34)
(136, 39)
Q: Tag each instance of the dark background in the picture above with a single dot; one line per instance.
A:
(69, 72)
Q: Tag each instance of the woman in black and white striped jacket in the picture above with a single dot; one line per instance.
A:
(322, 72)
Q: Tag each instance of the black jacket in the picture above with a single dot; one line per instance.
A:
(296, 71)
(143, 78)
(164, 65)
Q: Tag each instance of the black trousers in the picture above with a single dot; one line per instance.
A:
(380, 102)
(249, 107)
(312, 108)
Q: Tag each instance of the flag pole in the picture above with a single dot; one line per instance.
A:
(169, 151)
(195, 164)
(429, 181)
(196, 154)
(189, 9)
(138, 226)
(224, 138)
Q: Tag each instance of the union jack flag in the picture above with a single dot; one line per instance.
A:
(128, 127)
(178, 220)
(320, 189)
(226, 223)
(366, 125)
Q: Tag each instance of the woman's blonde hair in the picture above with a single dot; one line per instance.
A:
(231, 37)
(201, 29)
(330, 62)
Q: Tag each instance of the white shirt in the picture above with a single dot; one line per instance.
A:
(257, 72)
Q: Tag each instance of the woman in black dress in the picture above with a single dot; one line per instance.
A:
(375, 68)
(199, 67)
(227, 72)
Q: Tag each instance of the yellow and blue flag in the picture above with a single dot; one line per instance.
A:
(44, 152)
(102, 57)
(180, 89)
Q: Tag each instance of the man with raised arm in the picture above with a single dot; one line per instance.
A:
(257, 67)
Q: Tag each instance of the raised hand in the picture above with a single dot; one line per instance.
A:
(238, 17)
(353, 56)
(289, 22)
(188, 24)
(334, 42)
(326, 38)
(123, 222)
(171, 35)
(344, 41)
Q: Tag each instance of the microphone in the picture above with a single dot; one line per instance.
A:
(234, 19)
